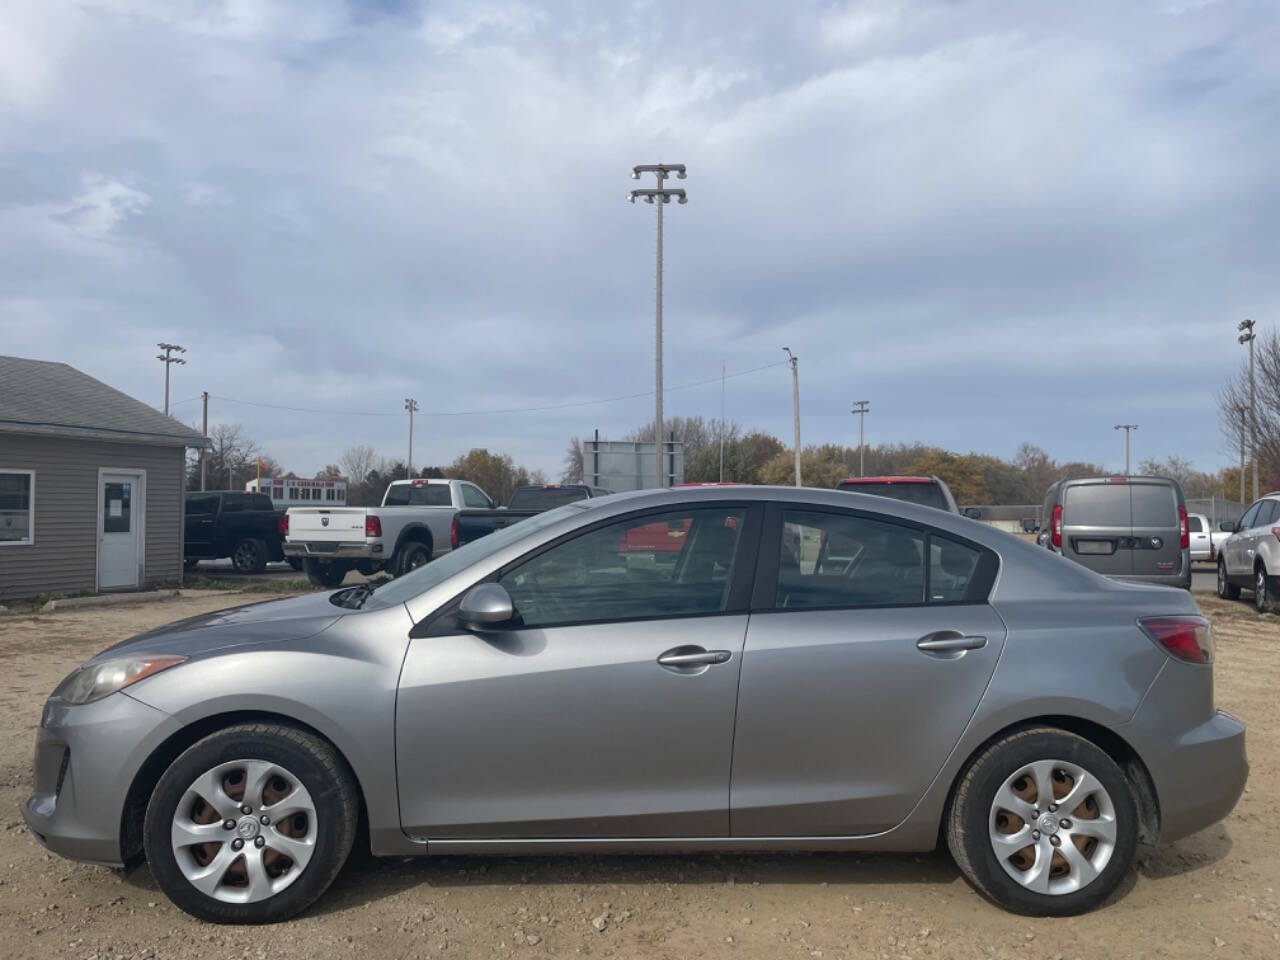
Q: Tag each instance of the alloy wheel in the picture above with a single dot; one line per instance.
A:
(1053, 827)
(244, 831)
(245, 557)
(1260, 597)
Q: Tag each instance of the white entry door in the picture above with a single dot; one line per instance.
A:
(121, 504)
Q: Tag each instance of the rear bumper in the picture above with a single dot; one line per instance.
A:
(329, 550)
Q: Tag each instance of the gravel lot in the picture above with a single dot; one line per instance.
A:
(1214, 894)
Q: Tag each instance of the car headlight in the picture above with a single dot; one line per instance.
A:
(97, 680)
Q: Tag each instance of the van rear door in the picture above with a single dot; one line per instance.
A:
(1097, 525)
(1157, 538)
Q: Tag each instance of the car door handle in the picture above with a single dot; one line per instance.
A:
(692, 657)
(949, 641)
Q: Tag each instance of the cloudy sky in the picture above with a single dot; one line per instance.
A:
(996, 221)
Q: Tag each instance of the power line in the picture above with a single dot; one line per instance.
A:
(484, 413)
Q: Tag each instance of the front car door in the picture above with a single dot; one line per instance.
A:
(568, 723)
(1235, 551)
(870, 645)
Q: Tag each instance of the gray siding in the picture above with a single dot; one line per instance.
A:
(63, 559)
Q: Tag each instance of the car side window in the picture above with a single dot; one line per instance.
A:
(472, 497)
(233, 503)
(842, 560)
(202, 506)
(1194, 525)
(953, 569)
(1247, 520)
(678, 563)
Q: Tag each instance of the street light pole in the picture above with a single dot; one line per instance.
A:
(412, 406)
(1248, 336)
(795, 404)
(168, 359)
(861, 408)
(1241, 411)
(662, 196)
(1128, 428)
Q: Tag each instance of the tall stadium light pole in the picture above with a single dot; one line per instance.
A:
(861, 408)
(795, 404)
(1128, 428)
(1248, 336)
(411, 405)
(662, 196)
(1241, 411)
(168, 359)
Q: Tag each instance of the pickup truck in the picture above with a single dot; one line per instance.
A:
(414, 524)
(228, 523)
(525, 502)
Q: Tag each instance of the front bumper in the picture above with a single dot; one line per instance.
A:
(329, 550)
(85, 760)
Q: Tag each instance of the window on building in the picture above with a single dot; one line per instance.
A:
(17, 507)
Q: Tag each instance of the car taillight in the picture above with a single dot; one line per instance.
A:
(453, 533)
(1055, 527)
(1184, 529)
(283, 525)
(372, 526)
(1185, 637)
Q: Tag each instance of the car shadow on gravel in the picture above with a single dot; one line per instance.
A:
(1201, 850)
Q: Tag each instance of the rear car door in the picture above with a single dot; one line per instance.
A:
(1097, 525)
(870, 645)
(1157, 536)
(588, 717)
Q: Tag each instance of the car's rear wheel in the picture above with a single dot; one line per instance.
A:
(1044, 823)
(251, 824)
(1226, 589)
(326, 573)
(1261, 592)
(249, 556)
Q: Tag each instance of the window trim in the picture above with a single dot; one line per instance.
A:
(764, 597)
(30, 539)
(443, 621)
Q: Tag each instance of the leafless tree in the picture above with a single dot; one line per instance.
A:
(1233, 409)
(359, 461)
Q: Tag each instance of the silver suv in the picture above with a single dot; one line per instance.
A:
(1250, 557)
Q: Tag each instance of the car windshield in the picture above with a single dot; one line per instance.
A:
(437, 571)
(925, 494)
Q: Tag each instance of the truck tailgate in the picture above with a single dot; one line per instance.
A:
(321, 524)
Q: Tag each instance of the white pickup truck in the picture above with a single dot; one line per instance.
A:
(416, 522)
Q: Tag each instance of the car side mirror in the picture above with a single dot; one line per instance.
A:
(973, 513)
(1227, 526)
(486, 605)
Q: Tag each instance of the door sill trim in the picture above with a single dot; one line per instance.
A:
(577, 845)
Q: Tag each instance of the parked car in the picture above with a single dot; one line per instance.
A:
(1129, 528)
(551, 689)
(416, 523)
(927, 491)
(227, 523)
(1250, 556)
(526, 501)
(1204, 546)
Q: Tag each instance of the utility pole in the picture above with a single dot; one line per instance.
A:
(168, 359)
(795, 404)
(662, 196)
(1128, 428)
(861, 408)
(412, 406)
(1248, 336)
(1241, 411)
(722, 421)
(204, 460)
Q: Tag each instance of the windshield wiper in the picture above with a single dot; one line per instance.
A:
(354, 597)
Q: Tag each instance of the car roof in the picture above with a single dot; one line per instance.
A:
(903, 479)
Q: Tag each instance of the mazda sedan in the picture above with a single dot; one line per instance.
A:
(726, 668)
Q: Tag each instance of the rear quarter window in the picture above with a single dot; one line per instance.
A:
(1097, 505)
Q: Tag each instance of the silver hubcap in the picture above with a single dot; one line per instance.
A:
(244, 831)
(1053, 827)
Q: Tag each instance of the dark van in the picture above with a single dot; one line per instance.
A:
(1129, 528)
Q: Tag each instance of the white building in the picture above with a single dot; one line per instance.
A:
(297, 492)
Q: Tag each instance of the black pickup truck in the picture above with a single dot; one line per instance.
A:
(227, 523)
(525, 502)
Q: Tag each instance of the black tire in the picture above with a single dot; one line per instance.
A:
(249, 556)
(969, 815)
(412, 555)
(322, 772)
(189, 563)
(326, 573)
(1261, 590)
(294, 562)
(1226, 589)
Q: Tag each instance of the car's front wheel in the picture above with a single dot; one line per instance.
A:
(1044, 823)
(1226, 589)
(249, 556)
(251, 824)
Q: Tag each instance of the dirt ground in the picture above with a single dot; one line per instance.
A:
(1214, 894)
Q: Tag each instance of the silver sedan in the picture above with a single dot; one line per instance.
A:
(726, 668)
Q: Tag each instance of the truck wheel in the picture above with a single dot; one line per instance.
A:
(249, 556)
(325, 573)
(412, 556)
